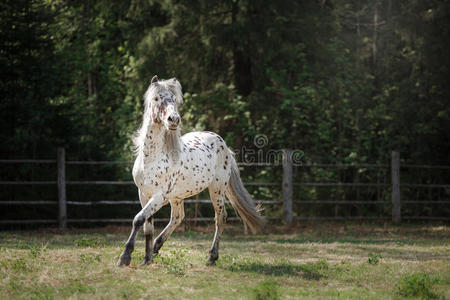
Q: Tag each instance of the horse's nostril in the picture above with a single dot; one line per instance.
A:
(173, 119)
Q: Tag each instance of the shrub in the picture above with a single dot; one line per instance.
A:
(417, 285)
(374, 259)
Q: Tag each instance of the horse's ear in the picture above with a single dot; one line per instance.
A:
(175, 86)
(155, 79)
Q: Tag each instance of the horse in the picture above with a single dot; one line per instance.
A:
(170, 168)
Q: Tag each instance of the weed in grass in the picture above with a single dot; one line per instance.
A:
(374, 259)
(35, 250)
(417, 285)
(175, 261)
(19, 266)
(86, 258)
(266, 290)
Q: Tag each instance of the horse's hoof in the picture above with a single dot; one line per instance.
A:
(213, 256)
(157, 245)
(124, 261)
(211, 261)
(147, 261)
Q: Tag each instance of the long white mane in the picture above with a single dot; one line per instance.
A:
(172, 85)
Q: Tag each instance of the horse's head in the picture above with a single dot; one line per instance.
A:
(161, 99)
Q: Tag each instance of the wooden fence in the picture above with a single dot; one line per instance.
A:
(287, 186)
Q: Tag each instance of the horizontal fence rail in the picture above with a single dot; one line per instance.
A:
(27, 161)
(287, 185)
(332, 184)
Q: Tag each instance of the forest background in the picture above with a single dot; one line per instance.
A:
(341, 81)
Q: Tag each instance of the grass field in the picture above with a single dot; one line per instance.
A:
(357, 261)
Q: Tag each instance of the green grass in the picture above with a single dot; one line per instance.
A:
(338, 261)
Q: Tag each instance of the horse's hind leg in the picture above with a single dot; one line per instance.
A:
(176, 217)
(217, 195)
(149, 232)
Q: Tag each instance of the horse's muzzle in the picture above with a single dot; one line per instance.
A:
(173, 122)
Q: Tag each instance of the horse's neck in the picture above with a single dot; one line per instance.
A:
(153, 146)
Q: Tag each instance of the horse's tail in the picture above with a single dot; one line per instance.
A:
(241, 200)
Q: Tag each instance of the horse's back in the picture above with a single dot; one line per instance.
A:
(209, 136)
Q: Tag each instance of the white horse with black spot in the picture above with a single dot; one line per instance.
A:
(170, 168)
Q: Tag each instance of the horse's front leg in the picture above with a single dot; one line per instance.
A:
(176, 217)
(155, 203)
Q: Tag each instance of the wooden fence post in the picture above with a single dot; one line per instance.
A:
(62, 204)
(395, 173)
(287, 186)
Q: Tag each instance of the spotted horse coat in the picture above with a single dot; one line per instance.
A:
(169, 168)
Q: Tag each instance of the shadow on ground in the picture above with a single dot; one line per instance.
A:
(305, 271)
